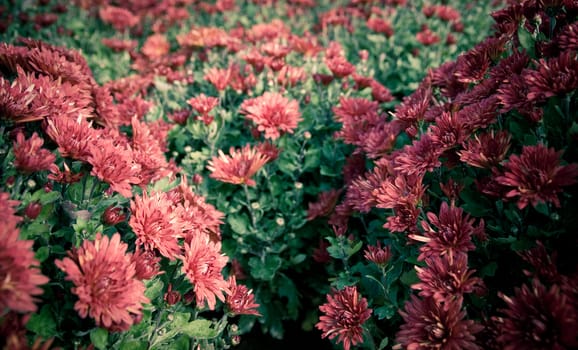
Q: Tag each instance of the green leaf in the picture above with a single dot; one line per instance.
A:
(99, 338)
(239, 223)
(297, 259)
(489, 269)
(312, 159)
(265, 269)
(383, 343)
(200, 329)
(288, 290)
(134, 345)
(42, 253)
(43, 323)
(409, 277)
(154, 288)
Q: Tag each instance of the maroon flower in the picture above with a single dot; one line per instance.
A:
(344, 315)
(429, 325)
(486, 150)
(419, 157)
(445, 281)
(452, 236)
(538, 318)
(378, 255)
(325, 204)
(553, 77)
(536, 176)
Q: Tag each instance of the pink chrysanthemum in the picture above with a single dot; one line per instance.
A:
(115, 165)
(344, 315)
(241, 300)
(203, 263)
(29, 154)
(20, 280)
(105, 283)
(273, 114)
(156, 223)
(238, 167)
(536, 176)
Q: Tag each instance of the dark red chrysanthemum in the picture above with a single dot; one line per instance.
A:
(344, 315)
(419, 157)
(432, 326)
(324, 205)
(377, 254)
(105, 282)
(553, 77)
(486, 150)
(536, 176)
(451, 236)
(538, 318)
(445, 281)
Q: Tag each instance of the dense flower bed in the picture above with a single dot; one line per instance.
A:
(182, 174)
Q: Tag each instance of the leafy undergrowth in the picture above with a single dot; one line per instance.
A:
(187, 174)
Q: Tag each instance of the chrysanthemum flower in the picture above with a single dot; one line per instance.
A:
(377, 254)
(73, 137)
(197, 217)
(536, 176)
(555, 76)
(538, 318)
(486, 150)
(29, 154)
(218, 77)
(20, 280)
(241, 300)
(105, 283)
(419, 157)
(120, 18)
(115, 165)
(445, 281)
(324, 205)
(344, 315)
(431, 326)
(156, 46)
(203, 104)
(273, 114)
(238, 167)
(452, 236)
(156, 223)
(7, 205)
(203, 263)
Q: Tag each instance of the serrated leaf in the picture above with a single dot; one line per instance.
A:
(409, 277)
(200, 329)
(239, 223)
(99, 338)
(42, 253)
(134, 345)
(265, 269)
(154, 288)
(42, 323)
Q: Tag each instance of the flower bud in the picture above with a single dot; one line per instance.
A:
(32, 210)
(172, 297)
(113, 215)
